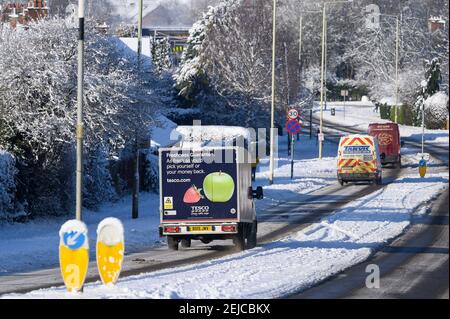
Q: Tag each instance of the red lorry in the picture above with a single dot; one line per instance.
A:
(389, 142)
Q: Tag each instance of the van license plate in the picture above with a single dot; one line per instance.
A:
(199, 228)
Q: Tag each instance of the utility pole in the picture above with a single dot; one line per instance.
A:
(323, 70)
(288, 102)
(272, 119)
(326, 62)
(322, 81)
(79, 128)
(136, 179)
(397, 48)
(397, 61)
(423, 127)
(300, 40)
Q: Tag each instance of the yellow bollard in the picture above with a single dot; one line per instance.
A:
(422, 168)
(110, 250)
(73, 254)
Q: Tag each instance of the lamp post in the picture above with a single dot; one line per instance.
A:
(322, 79)
(272, 118)
(397, 57)
(136, 182)
(79, 127)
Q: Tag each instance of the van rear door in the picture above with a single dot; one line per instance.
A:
(357, 155)
(388, 140)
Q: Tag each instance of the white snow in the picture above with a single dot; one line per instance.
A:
(110, 231)
(285, 266)
(132, 44)
(207, 135)
(164, 133)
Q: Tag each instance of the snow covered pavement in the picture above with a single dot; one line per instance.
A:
(289, 265)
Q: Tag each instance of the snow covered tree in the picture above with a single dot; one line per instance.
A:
(190, 76)
(238, 62)
(428, 87)
(7, 184)
(38, 97)
(97, 184)
(161, 55)
(227, 64)
(436, 111)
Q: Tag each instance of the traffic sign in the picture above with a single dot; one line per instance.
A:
(293, 126)
(293, 114)
(74, 254)
(321, 137)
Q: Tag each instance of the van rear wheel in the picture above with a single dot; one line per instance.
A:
(172, 243)
(399, 163)
(186, 243)
(252, 236)
(239, 240)
(379, 180)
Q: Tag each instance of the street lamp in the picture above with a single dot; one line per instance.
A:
(322, 88)
(397, 56)
(136, 178)
(79, 127)
(272, 119)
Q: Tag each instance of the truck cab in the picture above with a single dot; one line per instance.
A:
(389, 142)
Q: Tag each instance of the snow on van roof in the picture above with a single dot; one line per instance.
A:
(163, 133)
(208, 134)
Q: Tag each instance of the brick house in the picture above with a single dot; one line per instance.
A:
(20, 13)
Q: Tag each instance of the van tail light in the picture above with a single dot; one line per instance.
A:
(228, 228)
(171, 229)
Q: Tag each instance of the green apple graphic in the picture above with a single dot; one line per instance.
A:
(218, 187)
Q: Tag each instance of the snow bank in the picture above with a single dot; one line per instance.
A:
(132, 44)
(7, 183)
(34, 245)
(346, 238)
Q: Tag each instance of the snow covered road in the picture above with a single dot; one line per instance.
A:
(288, 265)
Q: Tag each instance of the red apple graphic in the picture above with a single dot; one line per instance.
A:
(193, 195)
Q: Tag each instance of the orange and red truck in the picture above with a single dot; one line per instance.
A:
(389, 142)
